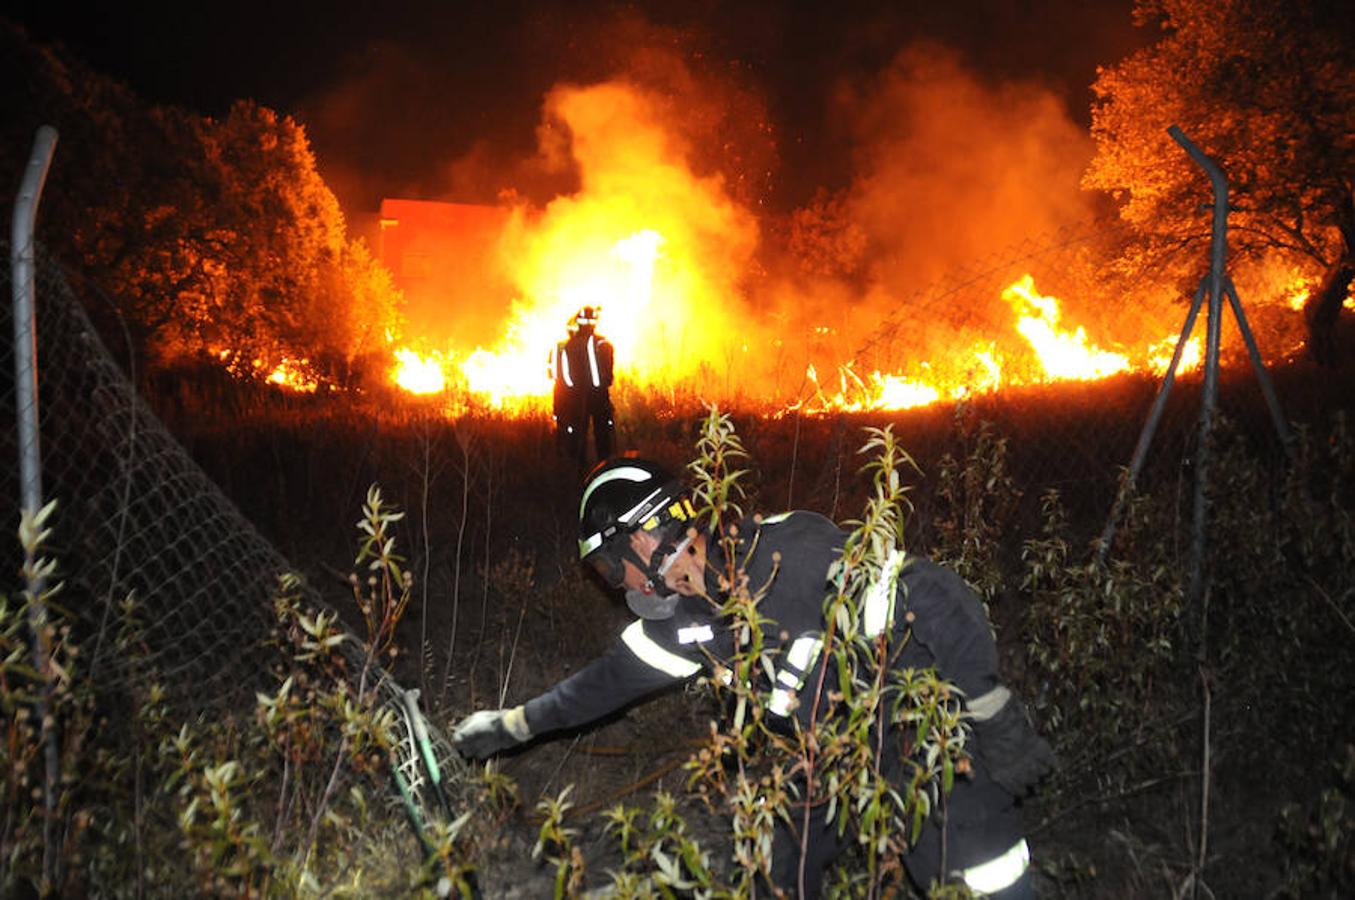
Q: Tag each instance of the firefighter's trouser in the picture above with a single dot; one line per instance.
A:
(984, 845)
(573, 418)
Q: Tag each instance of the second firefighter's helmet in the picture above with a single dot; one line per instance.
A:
(623, 495)
(586, 317)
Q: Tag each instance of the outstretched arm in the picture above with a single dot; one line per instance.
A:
(635, 666)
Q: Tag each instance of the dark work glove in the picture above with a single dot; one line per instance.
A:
(1008, 747)
(488, 731)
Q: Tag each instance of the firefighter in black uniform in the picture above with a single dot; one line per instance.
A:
(582, 368)
(635, 531)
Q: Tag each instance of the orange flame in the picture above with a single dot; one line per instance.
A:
(1298, 296)
(1055, 354)
(657, 248)
(1160, 355)
(514, 376)
(419, 373)
(293, 376)
(1062, 354)
(666, 255)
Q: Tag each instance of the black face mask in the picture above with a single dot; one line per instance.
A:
(609, 562)
(652, 606)
(661, 603)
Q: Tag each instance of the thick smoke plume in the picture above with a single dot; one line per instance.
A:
(948, 170)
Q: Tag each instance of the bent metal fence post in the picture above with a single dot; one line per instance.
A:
(1215, 284)
(138, 518)
(22, 280)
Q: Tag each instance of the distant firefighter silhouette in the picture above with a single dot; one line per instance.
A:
(582, 367)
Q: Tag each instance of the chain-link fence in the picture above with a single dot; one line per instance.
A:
(1070, 386)
(137, 518)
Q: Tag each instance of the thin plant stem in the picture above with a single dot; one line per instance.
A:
(512, 654)
(456, 577)
(427, 556)
(1205, 763)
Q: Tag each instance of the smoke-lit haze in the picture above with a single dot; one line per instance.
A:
(950, 168)
(744, 188)
(940, 164)
(947, 167)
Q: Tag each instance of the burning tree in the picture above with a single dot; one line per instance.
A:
(208, 236)
(1264, 86)
(280, 277)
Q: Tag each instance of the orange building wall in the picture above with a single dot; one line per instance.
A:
(443, 257)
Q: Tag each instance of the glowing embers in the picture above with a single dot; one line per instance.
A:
(290, 374)
(1300, 290)
(294, 376)
(1296, 297)
(1160, 355)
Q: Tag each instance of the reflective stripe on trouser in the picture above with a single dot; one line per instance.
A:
(651, 654)
(997, 874)
(975, 824)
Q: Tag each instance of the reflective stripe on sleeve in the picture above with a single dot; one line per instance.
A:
(985, 706)
(564, 369)
(515, 722)
(791, 677)
(877, 611)
(1000, 873)
(804, 651)
(593, 362)
(651, 654)
(695, 634)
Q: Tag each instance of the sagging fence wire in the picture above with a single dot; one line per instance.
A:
(138, 519)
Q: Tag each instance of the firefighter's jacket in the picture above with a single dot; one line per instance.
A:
(582, 367)
(789, 556)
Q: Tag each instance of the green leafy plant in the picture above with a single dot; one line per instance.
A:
(755, 773)
(555, 844)
(977, 498)
(1105, 645)
(48, 778)
(1317, 844)
(658, 853)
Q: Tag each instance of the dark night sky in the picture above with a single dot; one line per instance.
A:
(391, 92)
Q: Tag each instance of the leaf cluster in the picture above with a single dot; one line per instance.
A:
(1263, 87)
